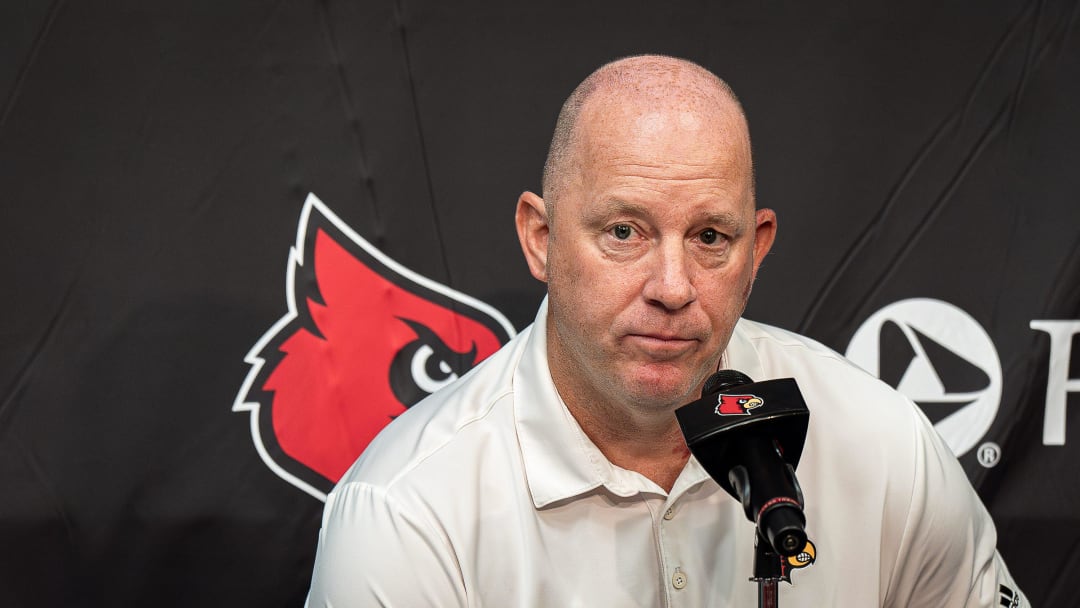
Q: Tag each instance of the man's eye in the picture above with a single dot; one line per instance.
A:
(709, 236)
(622, 232)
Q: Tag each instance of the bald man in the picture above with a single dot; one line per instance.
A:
(555, 473)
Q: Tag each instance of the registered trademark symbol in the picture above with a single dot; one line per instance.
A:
(989, 454)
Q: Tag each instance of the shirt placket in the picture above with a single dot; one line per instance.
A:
(676, 575)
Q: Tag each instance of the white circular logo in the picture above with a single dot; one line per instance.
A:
(989, 454)
(941, 358)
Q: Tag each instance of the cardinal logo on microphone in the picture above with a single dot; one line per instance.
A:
(737, 405)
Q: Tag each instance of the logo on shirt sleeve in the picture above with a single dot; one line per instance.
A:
(1009, 598)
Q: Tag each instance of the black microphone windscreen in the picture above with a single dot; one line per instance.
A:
(723, 380)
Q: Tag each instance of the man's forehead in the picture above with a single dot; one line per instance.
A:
(667, 144)
(651, 122)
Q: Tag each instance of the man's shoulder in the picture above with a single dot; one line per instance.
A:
(780, 348)
(777, 337)
(447, 426)
(835, 388)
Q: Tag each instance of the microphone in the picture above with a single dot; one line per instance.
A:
(749, 436)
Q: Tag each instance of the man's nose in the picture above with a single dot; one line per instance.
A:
(669, 283)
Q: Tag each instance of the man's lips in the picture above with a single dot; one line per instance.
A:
(664, 337)
(662, 344)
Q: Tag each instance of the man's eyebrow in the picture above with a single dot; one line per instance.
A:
(610, 207)
(723, 219)
(617, 205)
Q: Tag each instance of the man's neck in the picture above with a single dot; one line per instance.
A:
(651, 444)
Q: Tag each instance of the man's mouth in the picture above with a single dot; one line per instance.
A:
(662, 345)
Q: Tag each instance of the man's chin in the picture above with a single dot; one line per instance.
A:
(661, 393)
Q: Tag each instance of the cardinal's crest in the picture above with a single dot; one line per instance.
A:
(364, 338)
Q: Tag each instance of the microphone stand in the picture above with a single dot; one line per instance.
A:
(767, 572)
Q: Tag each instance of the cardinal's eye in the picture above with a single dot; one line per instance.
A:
(430, 372)
(709, 236)
(425, 365)
(622, 232)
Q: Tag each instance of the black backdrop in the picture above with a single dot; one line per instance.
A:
(155, 159)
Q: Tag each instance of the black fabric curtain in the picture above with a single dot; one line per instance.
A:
(190, 189)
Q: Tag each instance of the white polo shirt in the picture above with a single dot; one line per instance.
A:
(488, 493)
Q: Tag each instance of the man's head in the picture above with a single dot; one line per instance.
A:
(648, 239)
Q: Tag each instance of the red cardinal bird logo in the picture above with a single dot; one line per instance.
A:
(364, 339)
(737, 405)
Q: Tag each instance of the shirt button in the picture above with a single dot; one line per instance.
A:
(678, 580)
(669, 514)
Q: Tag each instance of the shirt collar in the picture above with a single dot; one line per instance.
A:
(741, 354)
(560, 460)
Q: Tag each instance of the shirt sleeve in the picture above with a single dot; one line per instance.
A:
(373, 552)
(947, 553)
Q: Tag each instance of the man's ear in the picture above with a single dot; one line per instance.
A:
(533, 229)
(764, 234)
